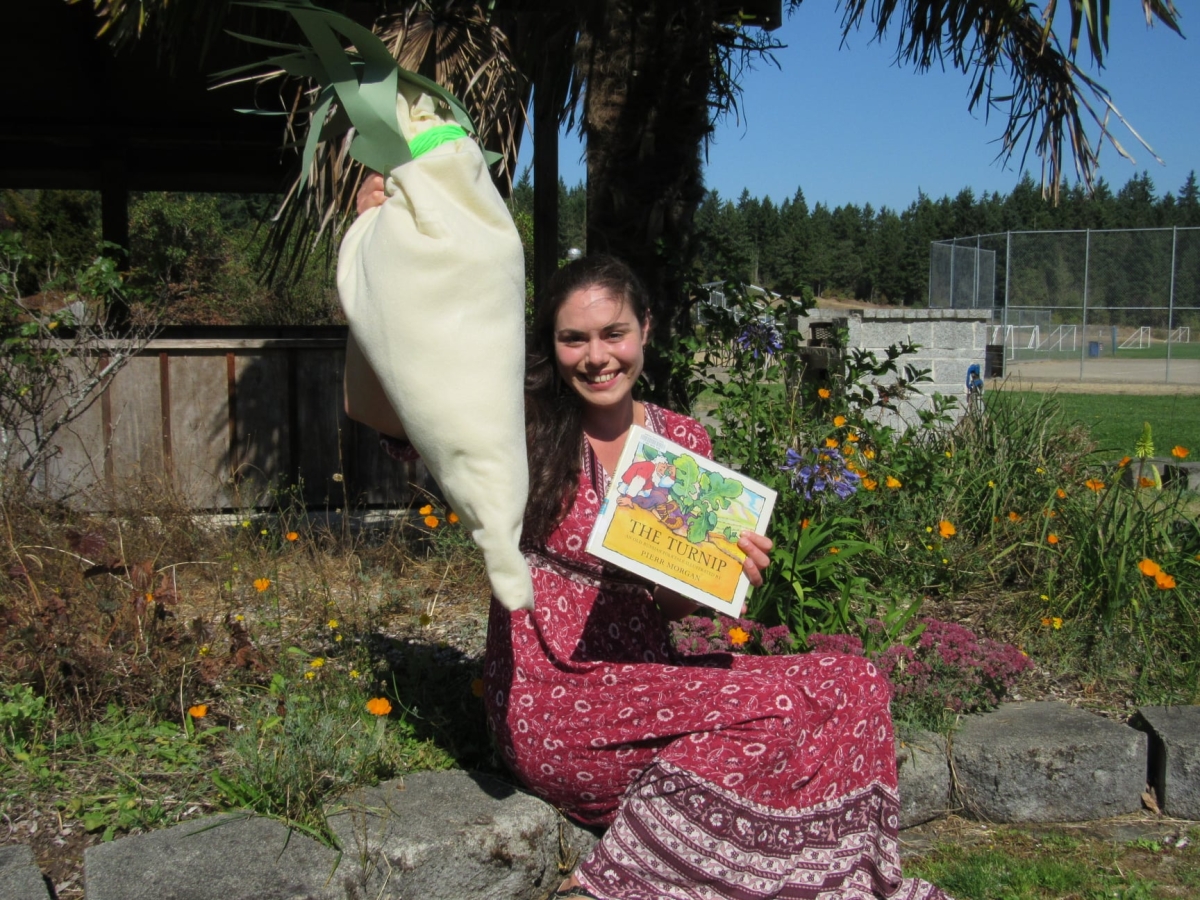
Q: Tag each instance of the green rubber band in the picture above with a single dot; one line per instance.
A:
(435, 137)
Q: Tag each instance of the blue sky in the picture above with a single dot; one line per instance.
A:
(849, 126)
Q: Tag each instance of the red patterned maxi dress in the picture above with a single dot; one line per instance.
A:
(741, 777)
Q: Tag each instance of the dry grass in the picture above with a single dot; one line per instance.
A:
(127, 619)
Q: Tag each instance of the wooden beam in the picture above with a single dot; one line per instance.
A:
(545, 191)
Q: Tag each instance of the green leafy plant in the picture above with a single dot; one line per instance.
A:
(306, 741)
(806, 437)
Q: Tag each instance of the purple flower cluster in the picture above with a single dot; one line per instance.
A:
(761, 336)
(698, 635)
(819, 470)
(951, 670)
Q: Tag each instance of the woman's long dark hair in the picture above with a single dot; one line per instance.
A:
(553, 410)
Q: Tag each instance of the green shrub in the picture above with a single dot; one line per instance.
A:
(1005, 503)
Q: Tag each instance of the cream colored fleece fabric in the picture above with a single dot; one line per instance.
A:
(433, 285)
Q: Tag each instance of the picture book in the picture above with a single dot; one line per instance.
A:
(674, 517)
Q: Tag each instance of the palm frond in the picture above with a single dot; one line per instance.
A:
(451, 43)
(1049, 100)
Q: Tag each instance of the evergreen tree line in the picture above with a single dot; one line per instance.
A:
(883, 255)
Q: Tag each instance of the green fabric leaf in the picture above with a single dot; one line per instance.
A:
(365, 82)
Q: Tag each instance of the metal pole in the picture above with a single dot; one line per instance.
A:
(932, 244)
(1171, 300)
(975, 299)
(953, 253)
(1007, 281)
(1087, 253)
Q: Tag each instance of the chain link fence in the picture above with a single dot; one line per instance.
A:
(1111, 305)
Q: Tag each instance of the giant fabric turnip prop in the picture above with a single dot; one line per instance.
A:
(433, 285)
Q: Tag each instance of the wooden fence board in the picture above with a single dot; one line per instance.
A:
(228, 417)
(135, 427)
(262, 394)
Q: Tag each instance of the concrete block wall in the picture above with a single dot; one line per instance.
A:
(950, 340)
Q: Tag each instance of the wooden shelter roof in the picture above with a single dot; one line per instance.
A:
(75, 116)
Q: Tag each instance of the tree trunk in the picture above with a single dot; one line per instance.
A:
(649, 70)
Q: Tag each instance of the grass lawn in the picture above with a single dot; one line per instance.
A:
(1115, 420)
(1056, 862)
(1159, 351)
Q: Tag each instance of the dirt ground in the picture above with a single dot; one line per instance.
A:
(1143, 377)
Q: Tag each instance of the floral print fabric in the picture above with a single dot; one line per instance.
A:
(719, 776)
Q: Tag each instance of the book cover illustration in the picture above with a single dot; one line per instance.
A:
(674, 517)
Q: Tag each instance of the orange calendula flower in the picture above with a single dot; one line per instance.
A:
(1145, 482)
(1125, 460)
(835, 550)
(870, 484)
(261, 584)
(1049, 513)
(946, 529)
(839, 421)
(1052, 539)
(431, 521)
(1179, 452)
(803, 524)
(869, 453)
(477, 687)
(1014, 516)
(199, 711)
(831, 443)
(1164, 581)
(848, 448)
(1149, 568)
(852, 438)
(379, 706)
(292, 535)
(426, 509)
(1060, 494)
(738, 636)
(823, 393)
(893, 483)
(452, 518)
(1094, 484)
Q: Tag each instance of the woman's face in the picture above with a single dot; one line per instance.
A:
(598, 345)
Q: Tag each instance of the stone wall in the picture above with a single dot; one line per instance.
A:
(950, 340)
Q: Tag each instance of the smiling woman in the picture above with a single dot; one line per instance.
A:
(592, 709)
